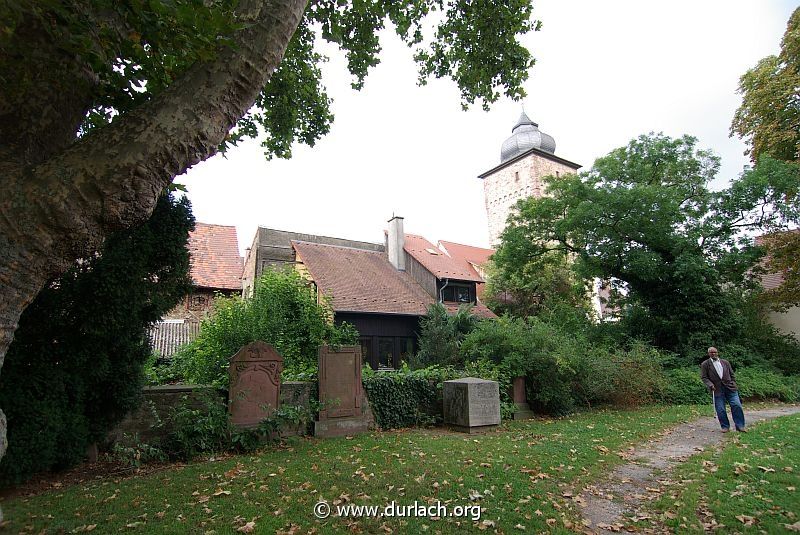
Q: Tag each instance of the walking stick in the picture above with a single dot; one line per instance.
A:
(714, 406)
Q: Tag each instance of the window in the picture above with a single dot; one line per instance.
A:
(198, 302)
(458, 293)
(385, 353)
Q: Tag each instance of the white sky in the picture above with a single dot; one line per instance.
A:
(605, 73)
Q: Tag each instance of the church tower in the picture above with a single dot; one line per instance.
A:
(525, 158)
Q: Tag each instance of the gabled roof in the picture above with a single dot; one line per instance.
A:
(359, 280)
(435, 261)
(214, 257)
(467, 256)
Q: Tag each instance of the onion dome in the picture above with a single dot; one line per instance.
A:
(526, 136)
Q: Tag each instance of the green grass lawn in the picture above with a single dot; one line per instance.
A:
(519, 475)
(748, 485)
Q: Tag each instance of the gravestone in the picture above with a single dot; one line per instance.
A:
(255, 384)
(519, 396)
(345, 410)
(471, 404)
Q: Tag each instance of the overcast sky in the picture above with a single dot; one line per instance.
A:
(605, 73)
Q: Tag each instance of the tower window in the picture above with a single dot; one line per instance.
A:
(516, 176)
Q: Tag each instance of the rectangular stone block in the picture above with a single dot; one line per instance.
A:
(471, 403)
(345, 410)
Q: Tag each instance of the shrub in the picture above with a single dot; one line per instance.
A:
(202, 426)
(441, 335)
(638, 378)
(534, 349)
(401, 398)
(198, 428)
(75, 367)
(684, 387)
(758, 383)
(283, 311)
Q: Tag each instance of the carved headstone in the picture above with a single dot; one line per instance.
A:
(471, 404)
(519, 395)
(255, 384)
(345, 410)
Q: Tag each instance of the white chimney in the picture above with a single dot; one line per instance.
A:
(395, 242)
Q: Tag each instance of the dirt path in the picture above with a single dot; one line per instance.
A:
(609, 505)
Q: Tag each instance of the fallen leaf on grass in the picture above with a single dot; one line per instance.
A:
(793, 527)
(746, 520)
(247, 528)
(767, 469)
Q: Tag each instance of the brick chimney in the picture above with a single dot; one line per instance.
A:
(395, 242)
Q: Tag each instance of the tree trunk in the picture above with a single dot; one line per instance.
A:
(62, 208)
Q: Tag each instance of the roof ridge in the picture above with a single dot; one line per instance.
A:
(337, 246)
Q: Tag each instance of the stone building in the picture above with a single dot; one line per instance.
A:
(525, 158)
(381, 289)
(215, 269)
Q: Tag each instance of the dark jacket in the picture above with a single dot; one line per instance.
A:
(710, 376)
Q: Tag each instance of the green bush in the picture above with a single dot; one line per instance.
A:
(534, 349)
(75, 367)
(401, 398)
(684, 387)
(198, 428)
(441, 335)
(758, 383)
(283, 311)
(638, 378)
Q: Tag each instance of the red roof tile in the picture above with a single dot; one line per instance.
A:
(214, 257)
(467, 256)
(435, 261)
(361, 281)
(770, 281)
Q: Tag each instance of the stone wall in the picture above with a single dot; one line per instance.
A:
(198, 305)
(150, 422)
(518, 180)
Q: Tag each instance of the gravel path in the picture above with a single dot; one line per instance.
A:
(609, 505)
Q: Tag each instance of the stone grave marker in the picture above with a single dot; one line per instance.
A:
(471, 404)
(345, 410)
(255, 384)
(519, 395)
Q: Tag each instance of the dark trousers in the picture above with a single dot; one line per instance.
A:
(732, 397)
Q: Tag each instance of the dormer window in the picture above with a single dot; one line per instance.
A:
(458, 293)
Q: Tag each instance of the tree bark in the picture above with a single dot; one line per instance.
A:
(62, 208)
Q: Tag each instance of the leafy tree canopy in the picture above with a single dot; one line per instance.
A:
(644, 216)
(769, 120)
(132, 51)
(769, 117)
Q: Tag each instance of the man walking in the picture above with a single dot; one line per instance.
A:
(717, 375)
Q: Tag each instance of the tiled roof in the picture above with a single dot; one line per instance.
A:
(435, 261)
(770, 281)
(215, 260)
(467, 256)
(167, 336)
(361, 281)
